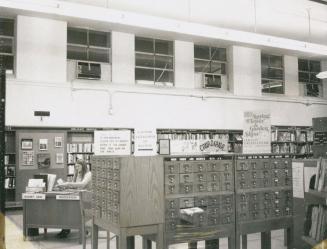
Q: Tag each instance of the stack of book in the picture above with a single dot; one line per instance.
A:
(321, 175)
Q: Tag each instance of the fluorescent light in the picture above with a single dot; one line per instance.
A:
(322, 75)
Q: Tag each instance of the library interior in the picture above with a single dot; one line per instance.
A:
(224, 146)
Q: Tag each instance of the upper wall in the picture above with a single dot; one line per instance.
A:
(297, 19)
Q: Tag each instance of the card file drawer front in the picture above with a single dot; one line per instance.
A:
(172, 167)
(201, 220)
(185, 188)
(242, 165)
(172, 179)
(213, 166)
(226, 165)
(171, 225)
(171, 189)
(226, 208)
(186, 167)
(214, 201)
(213, 177)
(213, 186)
(200, 167)
(213, 211)
(199, 177)
(172, 214)
(227, 186)
(243, 206)
(201, 201)
(200, 187)
(115, 185)
(172, 204)
(187, 202)
(243, 216)
(227, 218)
(116, 164)
(213, 220)
(186, 178)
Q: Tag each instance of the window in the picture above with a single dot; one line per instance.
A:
(272, 74)
(154, 61)
(88, 45)
(211, 63)
(308, 70)
(7, 44)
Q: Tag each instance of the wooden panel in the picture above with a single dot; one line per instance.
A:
(142, 191)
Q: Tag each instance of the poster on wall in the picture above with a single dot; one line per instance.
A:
(216, 145)
(28, 158)
(112, 142)
(43, 144)
(256, 132)
(58, 142)
(43, 161)
(145, 142)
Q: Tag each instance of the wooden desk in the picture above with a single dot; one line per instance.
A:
(51, 213)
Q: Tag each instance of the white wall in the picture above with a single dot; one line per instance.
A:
(291, 76)
(244, 71)
(184, 64)
(123, 57)
(41, 49)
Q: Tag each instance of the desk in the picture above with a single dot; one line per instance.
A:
(51, 213)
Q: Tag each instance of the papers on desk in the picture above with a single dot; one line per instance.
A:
(36, 183)
(191, 211)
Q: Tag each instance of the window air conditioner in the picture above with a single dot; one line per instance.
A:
(211, 80)
(87, 70)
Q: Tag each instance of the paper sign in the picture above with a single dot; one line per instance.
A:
(257, 132)
(26, 196)
(113, 142)
(145, 142)
(298, 186)
(67, 197)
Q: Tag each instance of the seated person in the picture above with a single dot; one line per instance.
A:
(81, 180)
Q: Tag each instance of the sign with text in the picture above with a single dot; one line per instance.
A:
(257, 132)
(218, 145)
(112, 142)
(67, 197)
(145, 142)
(27, 196)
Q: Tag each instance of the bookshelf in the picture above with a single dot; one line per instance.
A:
(294, 140)
(79, 146)
(10, 169)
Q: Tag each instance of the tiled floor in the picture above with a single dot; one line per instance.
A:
(14, 238)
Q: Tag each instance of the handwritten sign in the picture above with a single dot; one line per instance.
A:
(218, 145)
(27, 196)
(257, 132)
(112, 142)
(145, 142)
(67, 197)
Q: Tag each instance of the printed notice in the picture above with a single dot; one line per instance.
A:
(257, 132)
(112, 142)
(26, 196)
(67, 197)
(297, 172)
(145, 142)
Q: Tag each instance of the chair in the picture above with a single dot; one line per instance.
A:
(86, 214)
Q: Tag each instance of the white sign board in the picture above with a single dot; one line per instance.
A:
(27, 196)
(67, 197)
(112, 142)
(145, 142)
(256, 132)
(297, 175)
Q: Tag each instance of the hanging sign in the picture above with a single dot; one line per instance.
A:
(145, 142)
(257, 132)
(112, 142)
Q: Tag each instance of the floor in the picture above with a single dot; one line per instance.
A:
(14, 238)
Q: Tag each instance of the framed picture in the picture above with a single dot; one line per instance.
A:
(28, 158)
(43, 161)
(43, 144)
(164, 146)
(58, 142)
(27, 144)
(59, 158)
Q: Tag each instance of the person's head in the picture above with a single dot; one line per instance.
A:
(80, 167)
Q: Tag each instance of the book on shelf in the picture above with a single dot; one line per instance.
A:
(321, 175)
(318, 229)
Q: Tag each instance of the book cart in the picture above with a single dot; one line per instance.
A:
(264, 198)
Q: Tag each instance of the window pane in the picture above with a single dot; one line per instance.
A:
(315, 66)
(6, 27)
(312, 90)
(217, 67)
(76, 53)
(202, 66)
(144, 45)
(271, 86)
(165, 62)
(264, 60)
(303, 77)
(164, 47)
(218, 54)
(201, 52)
(6, 45)
(213, 81)
(8, 61)
(164, 76)
(274, 73)
(99, 55)
(77, 36)
(144, 60)
(144, 74)
(314, 79)
(277, 88)
(303, 65)
(99, 39)
(264, 72)
(276, 61)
